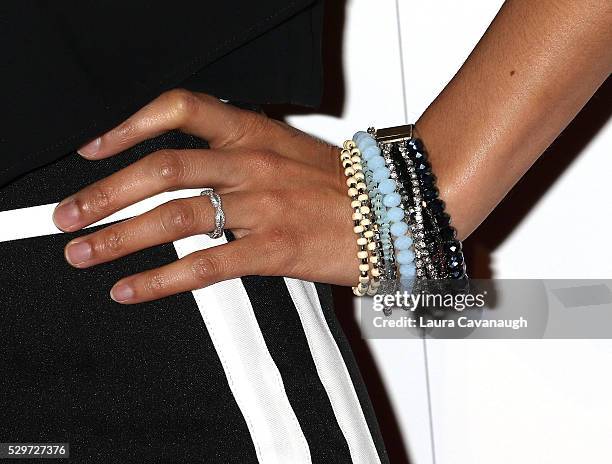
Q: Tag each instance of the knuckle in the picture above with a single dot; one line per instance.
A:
(271, 202)
(177, 217)
(126, 132)
(113, 242)
(156, 284)
(206, 269)
(168, 166)
(183, 102)
(99, 199)
(268, 162)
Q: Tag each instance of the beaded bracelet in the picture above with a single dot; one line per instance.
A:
(393, 219)
(377, 255)
(405, 234)
(408, 261)
(378, 185)
(369, 273)
(441, 242)
(412, 203)
(436, 246)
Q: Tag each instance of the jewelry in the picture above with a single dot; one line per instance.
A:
(364, 227)
(407, 234)
(438, 253)
(386, 179)
(378, 184)
(215, 200)
(446, 251)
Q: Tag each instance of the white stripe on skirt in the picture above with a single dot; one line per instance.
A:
(251, 372)
(333, 372)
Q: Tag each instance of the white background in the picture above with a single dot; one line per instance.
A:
(536, 401)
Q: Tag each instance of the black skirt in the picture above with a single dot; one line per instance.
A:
(250, 370)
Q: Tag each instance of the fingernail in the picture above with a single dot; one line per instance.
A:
(66, 214)
(89, 150)
(77, 253)
(121, 293)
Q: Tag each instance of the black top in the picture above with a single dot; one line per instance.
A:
(73, 69)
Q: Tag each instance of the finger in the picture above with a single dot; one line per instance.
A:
(166, 223)
(161, 171)
(197, 270)
(194, 113)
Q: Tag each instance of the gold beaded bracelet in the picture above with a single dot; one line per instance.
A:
(364, 226)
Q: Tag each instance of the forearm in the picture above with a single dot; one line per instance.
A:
(534, 69)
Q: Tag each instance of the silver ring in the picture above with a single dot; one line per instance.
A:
(215, 199)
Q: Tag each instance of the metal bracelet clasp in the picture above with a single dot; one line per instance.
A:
(394, 134)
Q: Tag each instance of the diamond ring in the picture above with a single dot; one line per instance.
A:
(215, 199)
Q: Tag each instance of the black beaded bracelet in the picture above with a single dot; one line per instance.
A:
(438, 253)
(444, 247)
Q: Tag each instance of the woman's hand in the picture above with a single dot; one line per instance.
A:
(283, 193)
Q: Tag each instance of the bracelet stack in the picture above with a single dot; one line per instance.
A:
(404, 236)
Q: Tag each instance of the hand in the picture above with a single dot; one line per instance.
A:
(283, 192)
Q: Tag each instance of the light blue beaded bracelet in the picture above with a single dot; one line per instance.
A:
(394, 231)
(372, 161)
